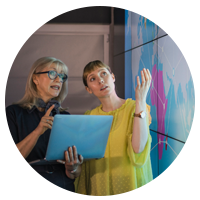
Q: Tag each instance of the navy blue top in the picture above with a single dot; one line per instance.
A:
(22, 122)
(17, 124)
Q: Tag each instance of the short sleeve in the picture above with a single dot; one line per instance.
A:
(11, 119)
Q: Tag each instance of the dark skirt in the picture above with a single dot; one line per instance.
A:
(38, 181)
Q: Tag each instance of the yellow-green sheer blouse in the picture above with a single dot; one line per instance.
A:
(121, 170)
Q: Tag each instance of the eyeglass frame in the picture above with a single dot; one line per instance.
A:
(55, 77)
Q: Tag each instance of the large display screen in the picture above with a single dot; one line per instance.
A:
(171, 95)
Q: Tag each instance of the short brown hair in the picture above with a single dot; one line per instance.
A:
(91, 66)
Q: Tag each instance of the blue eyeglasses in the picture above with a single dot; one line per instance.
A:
(53, 75)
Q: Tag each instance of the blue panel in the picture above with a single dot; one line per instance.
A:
(140, 24)
(128, 75)
(127, 30)
(145, 57)
(171, 95)
(178, 90)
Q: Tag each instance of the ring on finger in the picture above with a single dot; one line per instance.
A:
(74, 170)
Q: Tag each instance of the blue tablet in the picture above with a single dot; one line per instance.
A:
(89, 133)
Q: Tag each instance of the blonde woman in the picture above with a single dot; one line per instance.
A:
(31, 119)
(126, 164)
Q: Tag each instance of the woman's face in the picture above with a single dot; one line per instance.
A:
(47, 88)
(100, 82)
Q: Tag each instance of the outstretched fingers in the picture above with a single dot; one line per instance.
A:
(138, 81)
(80, 157)
(75, 154)
(146, 77)
(149, 76)
(72, 160)
(143, 73)
(71, 155)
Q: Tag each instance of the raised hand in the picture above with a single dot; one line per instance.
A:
(46, 122)
(143, 88)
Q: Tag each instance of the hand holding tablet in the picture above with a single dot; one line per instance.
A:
(72, 159)
(89, 133)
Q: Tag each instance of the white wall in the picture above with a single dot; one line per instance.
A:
(75, 45)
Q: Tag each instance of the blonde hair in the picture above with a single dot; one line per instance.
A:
(31, 96)
(91, 66)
